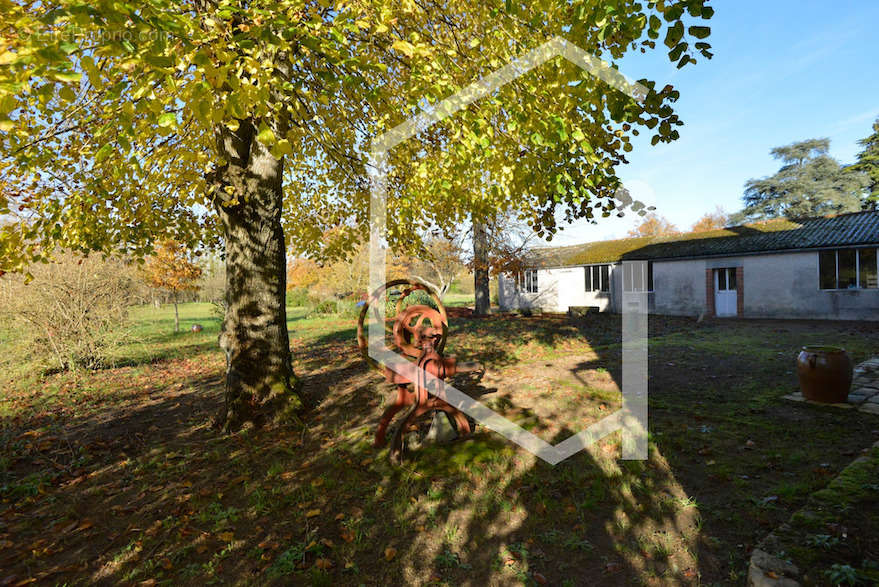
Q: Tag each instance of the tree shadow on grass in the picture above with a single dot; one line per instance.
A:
(146, 490)
(479, 511)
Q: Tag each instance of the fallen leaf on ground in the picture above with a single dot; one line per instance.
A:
(226, 536)
(390, 553)
(312, 513)
(323, 563)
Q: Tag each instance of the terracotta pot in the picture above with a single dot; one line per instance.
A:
(825, 373)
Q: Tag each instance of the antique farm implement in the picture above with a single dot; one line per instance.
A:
(419, 333)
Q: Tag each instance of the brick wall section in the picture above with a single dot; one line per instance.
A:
(740, 291)
(709, 293)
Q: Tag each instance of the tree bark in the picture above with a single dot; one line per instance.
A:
(260, 384)
(482, 291)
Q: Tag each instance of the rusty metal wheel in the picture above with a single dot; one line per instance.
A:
(438, 317)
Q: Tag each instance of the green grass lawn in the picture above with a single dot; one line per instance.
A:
(116, 475)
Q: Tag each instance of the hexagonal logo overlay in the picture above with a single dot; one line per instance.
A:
(631, 419)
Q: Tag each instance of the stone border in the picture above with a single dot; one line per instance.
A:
(766, 570)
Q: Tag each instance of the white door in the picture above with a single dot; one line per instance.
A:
(725, 291)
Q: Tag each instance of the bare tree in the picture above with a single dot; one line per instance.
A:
(501, 245)
(437, 265)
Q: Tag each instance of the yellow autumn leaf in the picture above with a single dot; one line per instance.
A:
(404, 47)
(226, 536)
(283, 147)
(312, 513)
(390, 553)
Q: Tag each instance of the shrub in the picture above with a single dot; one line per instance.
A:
(73, 312)
(418, 297)
(348, 308)
(298, 297)
(326, 307)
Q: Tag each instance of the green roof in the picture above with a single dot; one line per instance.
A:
(855, 229)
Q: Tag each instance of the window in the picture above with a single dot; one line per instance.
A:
(598, 278)
(827, 269)
(867, 268)
(847, 269)
(638, 276)
(726, 279)
(527, 281)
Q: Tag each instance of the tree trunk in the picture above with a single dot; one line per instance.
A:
(481, 270)
(260, 384)
(176, 315)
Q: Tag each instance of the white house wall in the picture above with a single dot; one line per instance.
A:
(572, 290)
(679, 287)
(786, 286)
(783, 285)
(557, 290)
(546, 298)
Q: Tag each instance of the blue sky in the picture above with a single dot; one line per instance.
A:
(782, 71)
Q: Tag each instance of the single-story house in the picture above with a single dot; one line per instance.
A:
(812, 268)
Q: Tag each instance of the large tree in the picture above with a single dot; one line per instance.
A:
(809, 183)
(246, 123)
(868, 164)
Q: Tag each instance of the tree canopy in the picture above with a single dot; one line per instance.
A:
(249, 123)
(809, 183)
(711, 221)
(654, 225)
(172, 269)
(110, 113)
